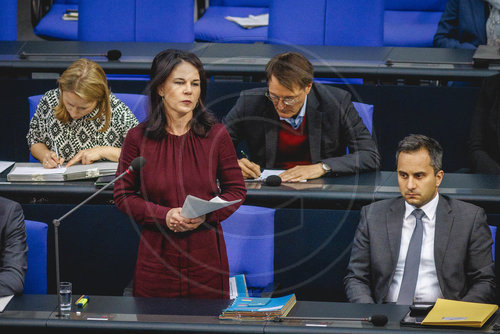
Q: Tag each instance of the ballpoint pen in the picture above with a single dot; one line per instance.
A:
(57, 153)
(244, 154)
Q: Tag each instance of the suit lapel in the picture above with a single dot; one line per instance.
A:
(313, 120)
(394, 224)
(271, 128)
(477, 9)
(444, 223)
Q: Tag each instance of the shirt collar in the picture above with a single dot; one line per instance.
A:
(429, 208)
(299, 117)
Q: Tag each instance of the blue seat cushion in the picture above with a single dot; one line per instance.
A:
(413, 29)
(213, 27)
(52, 25)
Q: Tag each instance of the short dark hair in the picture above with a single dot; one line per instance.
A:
(163, 64)
(416, 142)
(290, 68)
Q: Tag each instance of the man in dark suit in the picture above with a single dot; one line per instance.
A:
(299, 126)
(421, 246)
(13, 248)
(462, 24)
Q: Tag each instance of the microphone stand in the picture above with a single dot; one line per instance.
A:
(57, 222)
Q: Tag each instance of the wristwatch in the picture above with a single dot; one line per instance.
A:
(325, 167)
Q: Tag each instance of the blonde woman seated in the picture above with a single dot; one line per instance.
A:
(81, 121)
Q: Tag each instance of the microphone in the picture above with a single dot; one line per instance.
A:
(135, 166)
(111, 54)
(378, 320)
(272, 180)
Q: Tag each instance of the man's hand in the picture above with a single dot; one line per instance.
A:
(178, 223)
(303, 172)
(249, 169)
(86, 157)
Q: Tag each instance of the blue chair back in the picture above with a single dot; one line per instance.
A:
(493, 230)
(354, 22)
(36, 276)
(365, 111)
(8, 17)
(411, 23)
(284, 18)
(249, 236)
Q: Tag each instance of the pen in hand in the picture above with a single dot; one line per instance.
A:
(57, 153)
(244, 154)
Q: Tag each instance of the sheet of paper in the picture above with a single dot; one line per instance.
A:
(251, 21)
(38, 170)
(194, 207)
(268, 172)
(4, 301)
(5, 164)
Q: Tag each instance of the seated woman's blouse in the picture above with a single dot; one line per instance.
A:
(79, 134)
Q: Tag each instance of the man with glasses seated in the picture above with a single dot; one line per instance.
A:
(299, 126)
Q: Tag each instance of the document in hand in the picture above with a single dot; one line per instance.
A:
(34, 172)
(457, 313)
(194, 207)
(253, 308)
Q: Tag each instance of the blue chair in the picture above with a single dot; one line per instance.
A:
(137, 103)
(354, 22)
(213, 27)
(493, 230)
(136, 21)
(52, 26)
(36, 276)
(285, 15)
(365, 111)
(249, 236)
(411, 23)
(8, 17)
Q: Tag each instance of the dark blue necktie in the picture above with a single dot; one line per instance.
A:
(412, 263)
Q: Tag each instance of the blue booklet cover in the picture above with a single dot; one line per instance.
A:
(255, 304)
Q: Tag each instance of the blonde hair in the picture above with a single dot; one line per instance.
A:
(86, 79)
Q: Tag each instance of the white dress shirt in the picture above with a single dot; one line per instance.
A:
(427, 289)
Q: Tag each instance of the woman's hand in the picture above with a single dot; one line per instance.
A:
(178, 223)
(86, 157)
(50, 160)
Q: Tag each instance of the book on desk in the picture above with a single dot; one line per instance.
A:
(35, 172)
(257, 308)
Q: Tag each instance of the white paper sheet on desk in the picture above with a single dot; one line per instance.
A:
(268, 172)
(4, 301)
(251, 21)
(5, 164)
(39, 170)
(194, 207)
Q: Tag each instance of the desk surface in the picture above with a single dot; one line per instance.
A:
(107, 313)
(343, 192)
(249, 59)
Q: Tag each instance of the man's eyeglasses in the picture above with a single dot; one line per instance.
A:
(289, 100)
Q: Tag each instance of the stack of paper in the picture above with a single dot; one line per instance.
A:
(251, 308)
(237, 286)
(457, 313)
(34, 172)
(195, 207)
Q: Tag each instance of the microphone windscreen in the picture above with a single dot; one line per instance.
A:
(114, 54)
(272, 180)
(137, 164)
(378, 319)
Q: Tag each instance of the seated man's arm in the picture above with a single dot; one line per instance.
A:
(358, 278)
(13, 252)
(479, 264)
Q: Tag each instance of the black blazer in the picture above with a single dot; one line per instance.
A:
(484, 137)
(332, 125)
(13, 248)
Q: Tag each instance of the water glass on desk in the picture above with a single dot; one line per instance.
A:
(66, 291)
